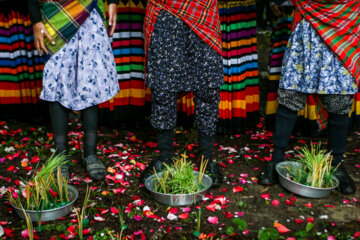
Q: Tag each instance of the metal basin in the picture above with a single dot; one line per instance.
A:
(51, 214)
(178, 199)
(300, 189)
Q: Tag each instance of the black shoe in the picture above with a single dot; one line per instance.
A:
(268, 175)
(155, 166)
(346, 184)
(213, 170)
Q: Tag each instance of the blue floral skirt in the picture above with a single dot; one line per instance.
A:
(309, 66)
(83, 73)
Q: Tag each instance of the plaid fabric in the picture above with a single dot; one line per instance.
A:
(202, 16)
(63, 18)
(338, 24)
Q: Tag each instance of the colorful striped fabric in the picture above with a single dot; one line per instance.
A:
(20, 66)
(128, 46)
(62, 19)
(338, 24)
(239, 105)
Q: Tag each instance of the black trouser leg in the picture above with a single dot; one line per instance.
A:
(90, 124)
(59, 122)
(338, 131)
(284, 125)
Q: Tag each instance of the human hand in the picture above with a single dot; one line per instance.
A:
(276, 10)
(39, 33)
(112, 18)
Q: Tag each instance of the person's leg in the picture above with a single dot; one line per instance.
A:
(94, 166)
(59, 122)
(163, 119)
(207, 115)
(338, 107)
(290, 102)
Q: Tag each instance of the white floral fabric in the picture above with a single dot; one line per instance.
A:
(83, 73)
(309, 66)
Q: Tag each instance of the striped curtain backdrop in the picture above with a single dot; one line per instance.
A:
(239, 105)
(128, 46)
(20, 65)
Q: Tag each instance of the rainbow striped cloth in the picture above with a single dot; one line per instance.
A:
(63, 18)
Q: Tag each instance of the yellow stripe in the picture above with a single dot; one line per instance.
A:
(137, 93)
(27, 92)
(271, 107)
(308, 112)
(274, 77)
(232, 44)
(238, 104)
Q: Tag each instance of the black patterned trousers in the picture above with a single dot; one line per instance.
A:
(163, 115)
(333, 103)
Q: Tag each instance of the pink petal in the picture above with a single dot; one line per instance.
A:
(25, 233)
(275, 203)
(281, 228)
(265, 196)
(86, 231)
(173, 210)
(184, 216)
(238, 189)
(309, 205)
(356, 235)
(331, 237)
(213, 220)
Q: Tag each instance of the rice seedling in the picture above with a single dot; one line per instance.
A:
(82, 215)
(44, 191)
(29, 224)
(316, 170)
(180, 178)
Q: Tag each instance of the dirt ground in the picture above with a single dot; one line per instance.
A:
(242, 156)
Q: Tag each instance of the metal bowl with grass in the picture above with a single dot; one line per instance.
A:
(178, 199)
(298, 188)
(51, 214)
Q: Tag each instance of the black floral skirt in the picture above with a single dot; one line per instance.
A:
(178, 60)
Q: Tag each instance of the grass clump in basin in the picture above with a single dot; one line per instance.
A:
(179, 178)
(43, 191)
(316, 170)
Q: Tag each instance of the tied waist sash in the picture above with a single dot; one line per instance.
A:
(63, 18)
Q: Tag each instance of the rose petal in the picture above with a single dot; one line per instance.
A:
(275, 203)
(184, 216)
(238, 189)
(265, 196)
(213, 220)
(281, 228)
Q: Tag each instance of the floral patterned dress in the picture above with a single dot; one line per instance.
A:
(309, 66)
(83, 73)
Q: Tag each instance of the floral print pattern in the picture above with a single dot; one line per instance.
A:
(83, 73)
(309, 66)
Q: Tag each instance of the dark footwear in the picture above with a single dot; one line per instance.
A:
(94, 167)
(268, 175)
(213, 170)
(206, 145)
(165, 144)
(346, 184)
(155, 166)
